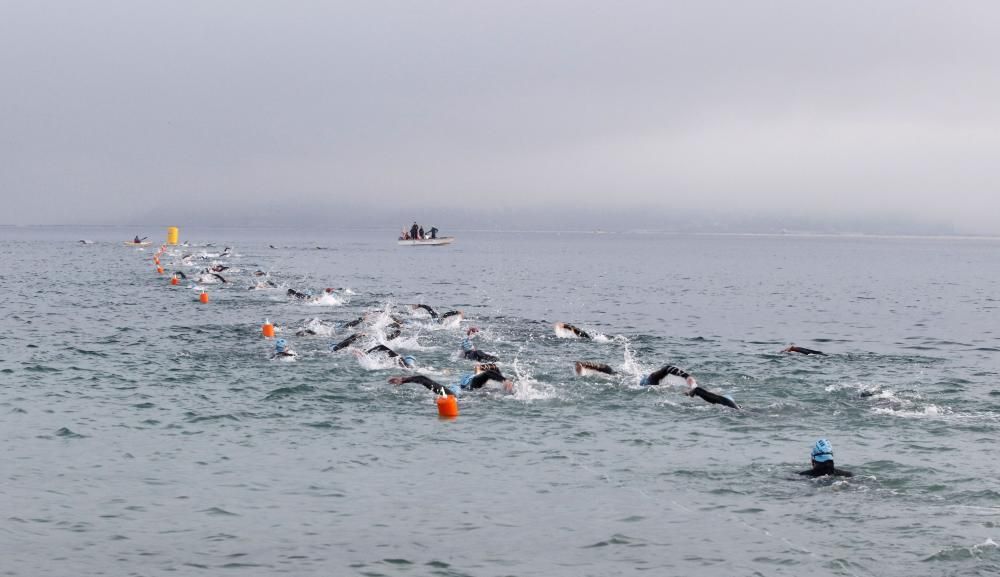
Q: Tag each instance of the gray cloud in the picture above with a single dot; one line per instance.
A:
(117, 110)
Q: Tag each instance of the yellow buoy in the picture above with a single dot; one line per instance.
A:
(172, 234)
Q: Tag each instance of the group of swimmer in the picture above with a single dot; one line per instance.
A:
(485, 369)
(416, 232)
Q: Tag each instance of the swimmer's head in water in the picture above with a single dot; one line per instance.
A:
(822, 451)
(472, 331)
(409, 361)
(280, 345)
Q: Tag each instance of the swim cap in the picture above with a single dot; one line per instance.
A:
(472, 330)
(409, 361)
(280, 345)
(822, 451)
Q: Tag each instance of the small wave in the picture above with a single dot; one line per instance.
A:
(68, 434)
(328, 300)
(283, 392)
(986, 549)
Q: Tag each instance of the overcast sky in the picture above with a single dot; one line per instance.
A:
(113, 111)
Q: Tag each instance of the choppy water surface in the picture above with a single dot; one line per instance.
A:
(145, 433)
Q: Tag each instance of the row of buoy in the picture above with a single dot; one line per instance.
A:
(174, 281)
(447, 405)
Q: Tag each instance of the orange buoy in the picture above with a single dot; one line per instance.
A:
(267, 330)
(156, 259)
(173, 280)
(203, 297)
(159, 270)
(447, 406)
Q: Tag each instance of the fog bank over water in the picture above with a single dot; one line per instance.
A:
(778, 114)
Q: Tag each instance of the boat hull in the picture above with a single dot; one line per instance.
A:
(427, 241)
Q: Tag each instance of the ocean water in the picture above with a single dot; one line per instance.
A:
(145, 433)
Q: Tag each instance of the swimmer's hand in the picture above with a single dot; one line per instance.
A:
(691, 382)
(396, 380)
(508, 387)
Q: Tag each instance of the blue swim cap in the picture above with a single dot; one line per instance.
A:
(822, 451)
(280, 345)
(644, 382)
(409, 361)
(466, 380)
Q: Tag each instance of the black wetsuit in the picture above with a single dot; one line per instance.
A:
(655, 377)
(219, 276)
(393, 335)
(297, 294)
(711, 397)
(580, 333)
(434, 232)
(346, 342)
(413, 231)
(480, 356)
(429, 310)
(476, 382)
(804, 351)
(354, 323)
(825, 468)
(707, 396)
(599, 367)
(382, 349)
(180, 274)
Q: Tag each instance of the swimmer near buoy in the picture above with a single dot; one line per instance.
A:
(174, 281)
(447, 406)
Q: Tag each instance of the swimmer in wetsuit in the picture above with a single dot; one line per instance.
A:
(298, 295)
(470, 352)
(281, 350)
(346, 342)
(583, 368)
(568, 327)
(469, 382)
(407, 362)
(803, 350)
(822, 462)
(655, 377)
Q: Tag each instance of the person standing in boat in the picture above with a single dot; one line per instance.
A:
(420, 233)
(434, 232)
(414, 230)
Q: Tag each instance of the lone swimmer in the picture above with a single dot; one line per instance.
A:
(803, 350)
(469, 382)
(821, 458)
(694, 390)
(470, 351)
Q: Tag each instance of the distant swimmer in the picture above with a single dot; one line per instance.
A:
(296, 294)
(354, 323)
(470, 352)
(406, 362)
(264, 284)
(346, 342)
(803, 350)
(469, 382)
(821, 458)
(587, 368)
(281, 350)
(180, 275)
(219, 268)
(271, 245)
(259, 272)
(568, 331)
(694, 390)
(220, 277)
